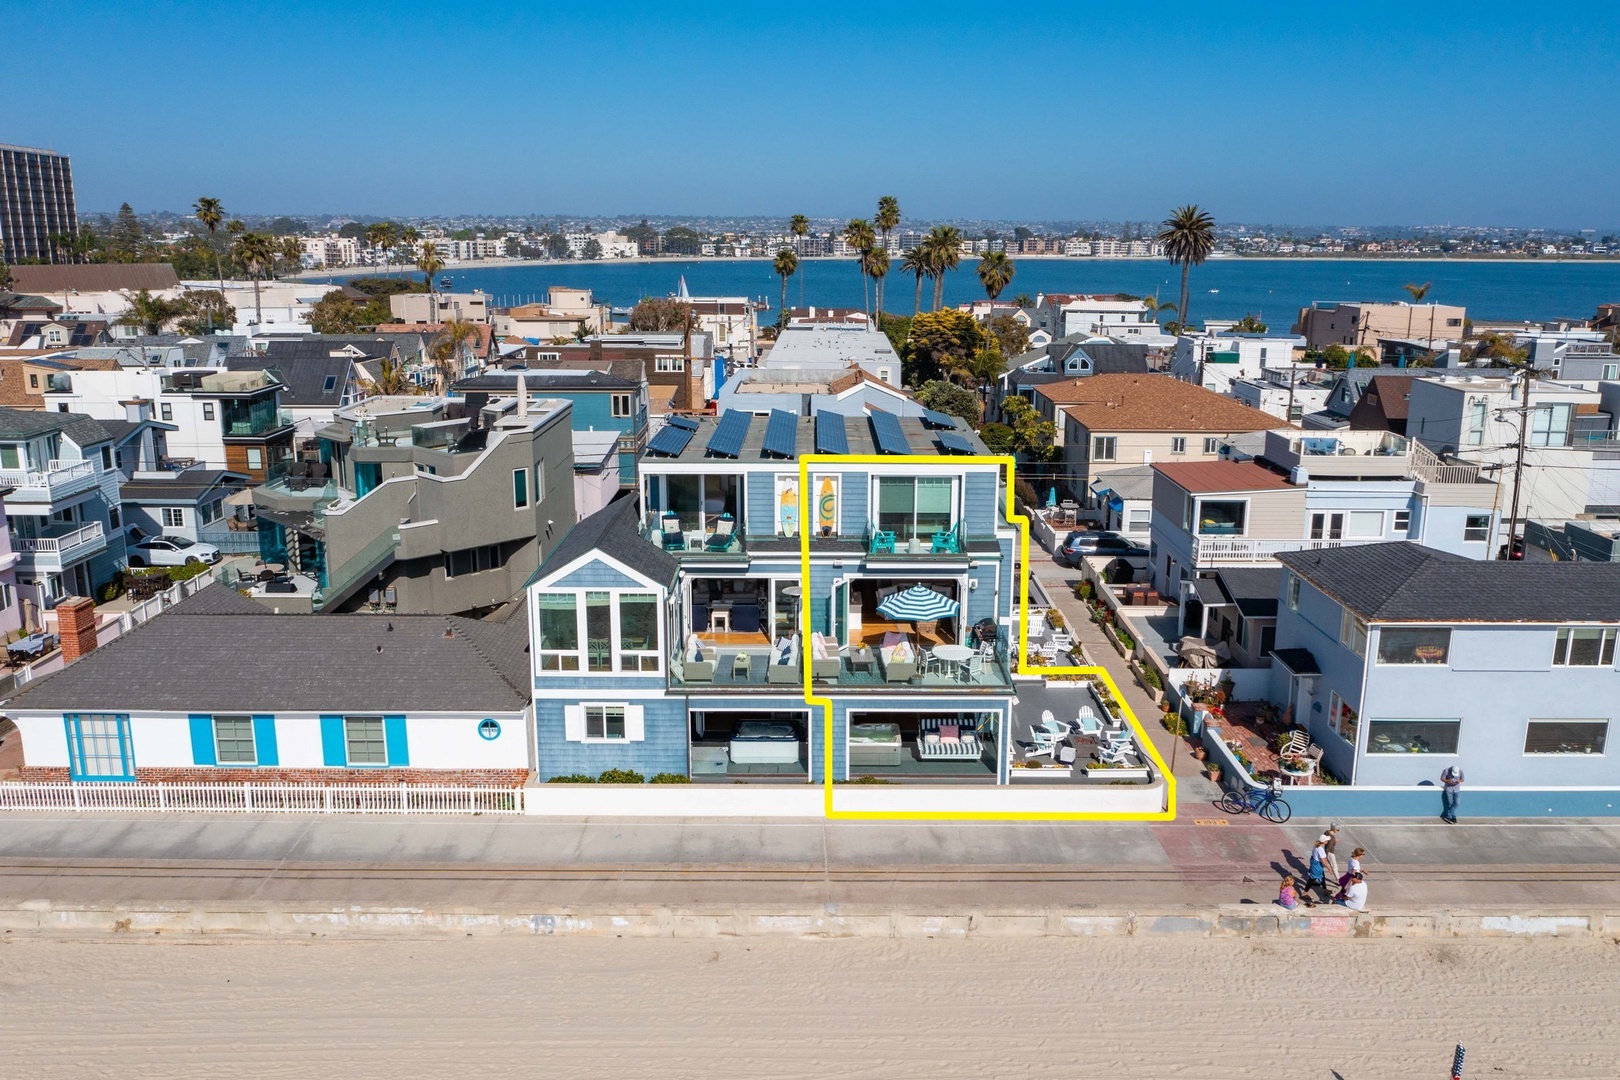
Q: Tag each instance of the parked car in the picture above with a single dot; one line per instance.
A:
(1078, 545)
(171, 551)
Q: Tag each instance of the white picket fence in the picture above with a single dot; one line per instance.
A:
(254, 798)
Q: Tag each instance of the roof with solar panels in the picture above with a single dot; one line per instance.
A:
(784, 436)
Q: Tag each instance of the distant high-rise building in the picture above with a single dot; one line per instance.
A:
(36, 202)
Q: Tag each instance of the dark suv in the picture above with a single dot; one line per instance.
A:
(1080, 544)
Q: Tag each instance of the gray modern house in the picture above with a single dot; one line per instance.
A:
(415, 504)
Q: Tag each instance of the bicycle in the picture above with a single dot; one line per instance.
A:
(1267, 802)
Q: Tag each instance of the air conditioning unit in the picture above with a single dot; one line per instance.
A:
(1298, 475)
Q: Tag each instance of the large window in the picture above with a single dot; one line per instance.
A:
(472, 560)
(1476, 528)
(1352, 632)
(638, 632)
(559, 632)
(1414, 645)
(1565, 736)
(233, 740)
(1412, 736)
(1476, 423)
(1221, 517)
(1366, 524)
(99, 747)
(1549, 425)
(622, 404)
(1104, 447)
(604, 722)
(915, 507)
(669, 363)
(173, 517)
(599, 631)
(1584, 646)
(365, 740)
(699, 500)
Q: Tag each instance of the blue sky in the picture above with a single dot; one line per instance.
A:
(1374, 114)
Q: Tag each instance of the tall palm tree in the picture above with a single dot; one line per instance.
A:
(212, 214)
(858, 234)
(944, 244)
(1188, 237)
(291, 252)
(877, 268)
(236, 226)
(786, 265)
(256, 253)
(1418, 292)
(887, 218)
(916, 262)
(383, 235)
(428, 261)
(996, 272)
(799, 226)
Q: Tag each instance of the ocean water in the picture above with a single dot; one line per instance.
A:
(1273, 289)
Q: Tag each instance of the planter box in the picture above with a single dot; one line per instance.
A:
(1138, 773)
(1046, 771)
(1155, 694)
(1113, 638)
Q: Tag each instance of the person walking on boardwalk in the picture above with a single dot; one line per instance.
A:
(1451, 782)
(1313, 874)
(1330, 843)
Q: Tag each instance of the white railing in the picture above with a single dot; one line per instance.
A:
(1427, 466)
(85, 534)
(254, 798)
(58, 473)
(1214, 551)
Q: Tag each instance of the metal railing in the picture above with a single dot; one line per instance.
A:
(261, 798)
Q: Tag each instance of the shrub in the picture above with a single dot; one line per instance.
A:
(670, 778)
(1026, 491)
(1150, 677)
(111, 591)
(620, 776)
(186, 572)
(1174, 724)
(572, 778)
(1086, 590)
(866, 780)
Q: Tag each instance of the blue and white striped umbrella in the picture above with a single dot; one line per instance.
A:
(918, 604)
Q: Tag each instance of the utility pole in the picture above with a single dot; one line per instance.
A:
(1518, 464)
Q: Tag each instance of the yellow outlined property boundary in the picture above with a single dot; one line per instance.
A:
(1016, 642)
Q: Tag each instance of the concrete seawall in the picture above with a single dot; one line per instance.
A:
(40, 918)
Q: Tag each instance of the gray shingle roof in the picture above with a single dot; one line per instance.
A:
(1253, 589)
(30, 423)
(304, 379)
(1405, 582)
(613, 531)
(210, 653)
(544, 379)
(185, 487)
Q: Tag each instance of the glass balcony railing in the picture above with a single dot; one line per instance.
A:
(255, 424)
(951, 540)
(721, 535)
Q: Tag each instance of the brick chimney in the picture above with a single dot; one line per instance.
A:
(76, 621)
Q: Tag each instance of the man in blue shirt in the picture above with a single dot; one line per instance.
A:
(1451, 781)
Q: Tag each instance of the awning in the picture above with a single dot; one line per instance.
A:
(1297, 661)
(240, 498)
(1208, 591)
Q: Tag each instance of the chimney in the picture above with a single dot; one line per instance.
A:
(76, 622)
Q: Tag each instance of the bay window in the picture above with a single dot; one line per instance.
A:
(599, 631)
(559, 631)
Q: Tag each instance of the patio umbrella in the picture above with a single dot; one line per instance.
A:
(918, 604)
(1051, 497)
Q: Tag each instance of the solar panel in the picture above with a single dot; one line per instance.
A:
(938, 419)
(886, 429)
(782, 434)
(671, 440)
(955, 442)
(683, 422)
(728, 436)
(831, 438)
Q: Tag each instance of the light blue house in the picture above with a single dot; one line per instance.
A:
(606, 400)
(670, 629)
(1400, 660)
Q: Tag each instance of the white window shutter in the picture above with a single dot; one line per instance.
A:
(574, 723)
(635, 724)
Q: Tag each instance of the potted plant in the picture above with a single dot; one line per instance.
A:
(1212, 769)
(1199, 753)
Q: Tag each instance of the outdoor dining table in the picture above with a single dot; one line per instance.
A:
(32, 645)
(955, 655)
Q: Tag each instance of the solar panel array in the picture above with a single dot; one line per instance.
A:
(782, 434)
(938, 419)
(831, 437)
(955, 442)
(671, 439)
(727, 440)
(684, 422)
(886, 430)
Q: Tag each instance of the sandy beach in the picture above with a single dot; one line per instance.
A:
(684, 1010)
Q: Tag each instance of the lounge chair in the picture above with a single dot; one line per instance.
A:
(944, 543)
(784, 666)
(725, 530)
(669, 529)
(825, 661)
(883, 543)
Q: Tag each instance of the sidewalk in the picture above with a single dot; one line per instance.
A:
(1193, 790)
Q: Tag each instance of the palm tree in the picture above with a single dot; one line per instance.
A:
(235, 226)
(1023, 301)
(255, 252)
(915, 262)
(212, 215)
(858, 234)
(996, 272)
(449, 351)
(1154, 308)
(1418, 292)
(383, 235)
(887, 219)
(785, 265)
(944, 245)
(292, 252)
(428, 261)
(148, 313)
(799, 226)
(391, 379)
(877, 267)
(1188, 237)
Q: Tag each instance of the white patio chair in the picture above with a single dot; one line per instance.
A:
(1116, 753)
(1088, 723)
(1045, 743)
